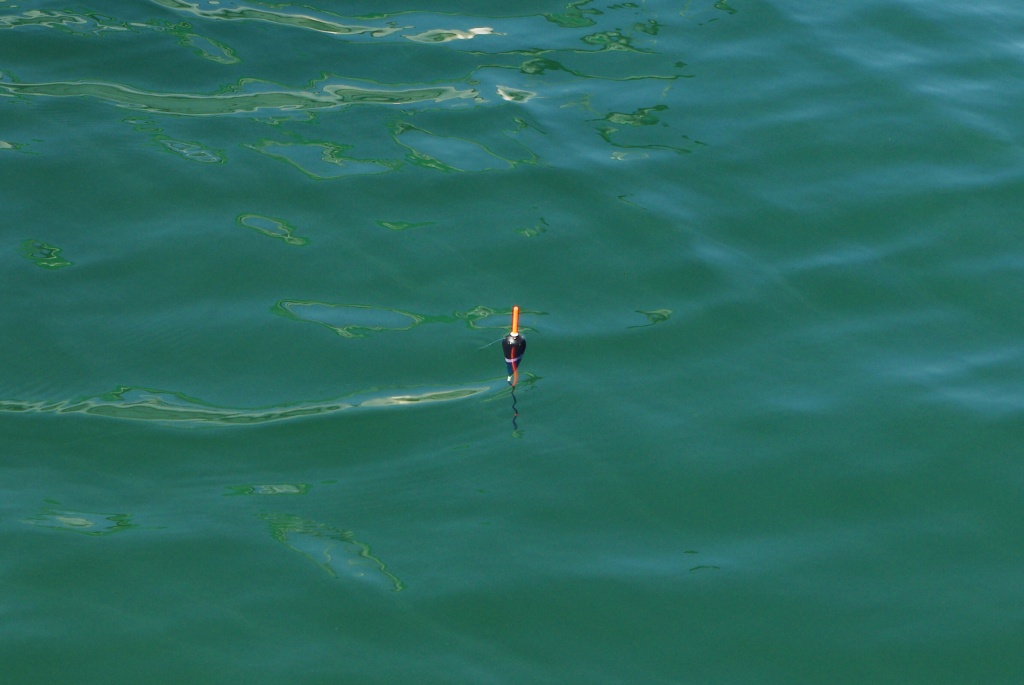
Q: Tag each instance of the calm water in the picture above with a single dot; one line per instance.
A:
(769, 255)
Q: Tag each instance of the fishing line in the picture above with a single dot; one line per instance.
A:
(515, 412)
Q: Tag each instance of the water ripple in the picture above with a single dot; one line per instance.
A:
(445, 35)
(358, 320)
(64, 20)
(302, 21)
(96, 25)
(337, 552)
(147, 404)
(234, 99)
(81, 522)
(348, 320)
(321, 160)
(274, 228)
(194, 152)
(529, 68)
(43, 255)
(268, 489)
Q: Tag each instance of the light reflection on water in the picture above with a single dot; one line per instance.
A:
(359, 320)
(146, 404)
(234, 99)
(334, 550)
(43, 254)
(93, 524)
(273, 228)
(523, 65)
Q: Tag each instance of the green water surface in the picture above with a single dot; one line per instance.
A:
(256, 255)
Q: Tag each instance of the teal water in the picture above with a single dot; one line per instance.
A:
(769, 257)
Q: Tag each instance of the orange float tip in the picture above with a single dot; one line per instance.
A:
(515, 319)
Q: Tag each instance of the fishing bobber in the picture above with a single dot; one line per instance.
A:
(514, 346)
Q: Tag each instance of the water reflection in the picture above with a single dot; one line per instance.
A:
(148, 404)
(514, 94)
(614, 134)
(270, 489)
(446, 153)
(530, 74)
(348, 320)
(81, 522)
(610, 40)
(576, 15)
(93, 24)
(336, 551)
(204, 47)
(273, 228)
(64, 20)
(323, 24)
(445, 35)
(245, 96)
(360, 320)
(533, 231)
(43, 255)
(654, 316)
(321, 160)
(404, 225)
(191, 151)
